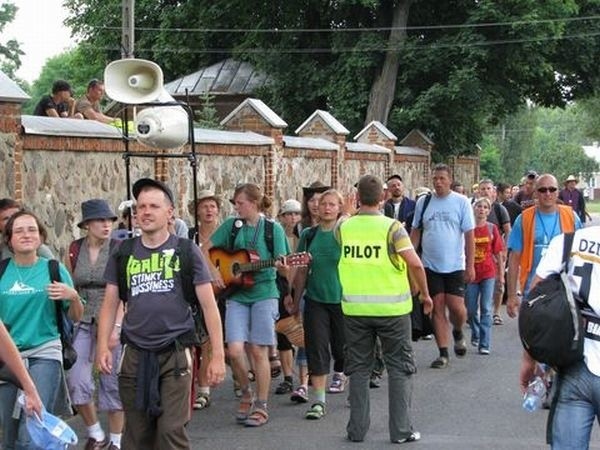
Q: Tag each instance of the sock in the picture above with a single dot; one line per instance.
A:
(319, 395)
(204, 390)
(96, 432)
(444, 352)
(262, 404)
(457, 335)
(289, 379)
(115, 439)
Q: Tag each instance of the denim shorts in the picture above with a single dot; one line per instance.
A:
(251, 322)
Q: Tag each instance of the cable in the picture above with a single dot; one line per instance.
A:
(344, 30)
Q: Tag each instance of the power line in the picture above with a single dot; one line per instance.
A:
(353, 30)
(306, 50)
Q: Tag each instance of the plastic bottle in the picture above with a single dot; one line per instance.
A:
(532, 400)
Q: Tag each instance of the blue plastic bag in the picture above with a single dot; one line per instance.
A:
(49, 432)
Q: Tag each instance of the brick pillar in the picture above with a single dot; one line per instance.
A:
(337, 163)
(270, 158)
(10, 123)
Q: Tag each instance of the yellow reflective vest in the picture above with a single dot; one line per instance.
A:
(371, 284)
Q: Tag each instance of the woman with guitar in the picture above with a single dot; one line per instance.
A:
(252, 308)
(207, 209)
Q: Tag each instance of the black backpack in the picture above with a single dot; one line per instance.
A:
(550, 323)
(183, 253)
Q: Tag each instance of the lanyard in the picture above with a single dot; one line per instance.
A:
(546, 237)
(256, 230)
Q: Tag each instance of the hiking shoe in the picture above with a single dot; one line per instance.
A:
(285, 387)
(316, 411)
(300, 395)
(93, 444)
(412, 437)
(460, 347)
(440, 363)
(338, 383)
(375, 381)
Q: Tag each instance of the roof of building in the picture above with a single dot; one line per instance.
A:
(366, 148)
(309, 143)
(57, 126)
(382, 129)
(331, 121)
(208, 136)
(225, 77)
(411, 151)
(11, 91)
(261, 108)
(419, 133)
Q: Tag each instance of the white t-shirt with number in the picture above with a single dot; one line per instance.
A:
(584, 280)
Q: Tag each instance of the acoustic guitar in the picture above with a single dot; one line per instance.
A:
(236, 266)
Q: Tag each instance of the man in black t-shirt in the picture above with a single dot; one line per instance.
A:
(59, 104)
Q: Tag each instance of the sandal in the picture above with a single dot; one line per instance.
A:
(244, 409)
(316, 411)
(275, 366)
(202, 401)
(300, 395)
(285, 387)
(257, 418)
(498, 320)
(440, 363)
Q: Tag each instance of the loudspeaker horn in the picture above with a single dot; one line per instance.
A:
(138, 81)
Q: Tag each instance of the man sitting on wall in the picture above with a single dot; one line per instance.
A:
(59, 104)
(89, 105)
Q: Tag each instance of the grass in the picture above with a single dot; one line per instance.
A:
(593, 207)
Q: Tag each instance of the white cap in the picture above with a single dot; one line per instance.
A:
(291, 206)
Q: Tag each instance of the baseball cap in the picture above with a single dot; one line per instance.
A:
(290, 206)
(149, 182)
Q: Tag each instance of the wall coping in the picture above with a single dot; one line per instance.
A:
(11, 92)
(380, 127)
(308, 142)
(262, 109)
(331, 122)
(361, 147)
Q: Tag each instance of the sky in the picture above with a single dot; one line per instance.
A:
(39, 29)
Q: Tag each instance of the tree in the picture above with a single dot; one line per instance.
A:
(10, 52)
(458, 67)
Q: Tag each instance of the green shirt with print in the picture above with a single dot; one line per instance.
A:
(253, 238)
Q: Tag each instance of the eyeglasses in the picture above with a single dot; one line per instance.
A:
(544, 190)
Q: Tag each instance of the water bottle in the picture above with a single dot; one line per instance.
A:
(532, 400)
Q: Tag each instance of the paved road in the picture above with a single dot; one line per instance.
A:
(473, 404)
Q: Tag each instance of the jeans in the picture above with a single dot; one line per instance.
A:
(578, 405)
(395, 336)
(46, 375)
(479, 299)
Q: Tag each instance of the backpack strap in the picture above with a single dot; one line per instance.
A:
(233, 234)
(269, 236)
(74, 250)
(3, 266)
(54, 271)
(123, 253)
(311, 235)
(567, 245)
(425, 205)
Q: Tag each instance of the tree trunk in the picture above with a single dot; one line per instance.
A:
(384, 85)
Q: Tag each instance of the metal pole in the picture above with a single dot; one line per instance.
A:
(128, 35)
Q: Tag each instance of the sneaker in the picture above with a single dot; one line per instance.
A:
(299, 395)
(93, 444)
(440, 363)
(428, 337)
(460, 347)
(285, 387)
(338, 383)
(202, 401)
(413, 437)
(474, 342)
(484, 351)
(375, 381)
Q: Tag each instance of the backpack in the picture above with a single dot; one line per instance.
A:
(550, 323)
(183, 253)
(63, 322)
(75, 248)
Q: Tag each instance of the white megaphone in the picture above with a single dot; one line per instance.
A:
(137, 81)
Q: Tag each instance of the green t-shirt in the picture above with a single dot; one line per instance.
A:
(251, 238)
(25, 308)
(323, 282)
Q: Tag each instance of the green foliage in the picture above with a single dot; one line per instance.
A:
(206, 117)
(72, 66)
(453, 82)
(10, 52)
(490, 161)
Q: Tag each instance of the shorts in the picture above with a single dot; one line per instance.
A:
(324, 336)
(452, 283)
(251, 322)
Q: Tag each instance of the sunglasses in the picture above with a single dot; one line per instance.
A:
(544, 190)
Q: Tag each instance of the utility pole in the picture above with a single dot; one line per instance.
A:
(128, 37)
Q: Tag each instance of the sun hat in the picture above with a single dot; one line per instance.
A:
(149, 182)
(204, 194)
(291, 206)
(315, 187)
(94, 209)
(49, 432)
(572, 178)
